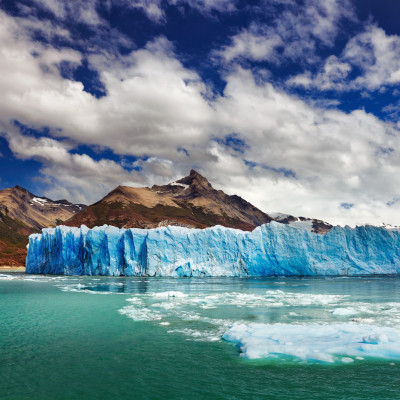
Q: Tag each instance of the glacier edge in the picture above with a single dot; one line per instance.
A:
(272, 249)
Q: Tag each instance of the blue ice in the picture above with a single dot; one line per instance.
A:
(270, 250)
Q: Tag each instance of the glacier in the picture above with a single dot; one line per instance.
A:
(272, 249)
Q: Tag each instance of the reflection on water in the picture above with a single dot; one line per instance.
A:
(136, 286)
(363, 288)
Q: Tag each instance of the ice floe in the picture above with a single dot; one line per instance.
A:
(312, 342)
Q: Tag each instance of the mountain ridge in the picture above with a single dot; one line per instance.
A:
(23, 213)
(190, 202)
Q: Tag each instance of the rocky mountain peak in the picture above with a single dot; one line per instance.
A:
(190, 201)
(196, 180)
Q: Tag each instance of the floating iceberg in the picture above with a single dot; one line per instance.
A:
(270, 250)
(326, 343)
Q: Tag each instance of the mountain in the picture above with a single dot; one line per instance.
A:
(188, 202)
(23, 213)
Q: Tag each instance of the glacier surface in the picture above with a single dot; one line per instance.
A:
(270, 250)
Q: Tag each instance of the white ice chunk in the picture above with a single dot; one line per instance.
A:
(344, 311)
(347, 360)
(375, 339)
(140, 314)
(326, 343)
(166, 295)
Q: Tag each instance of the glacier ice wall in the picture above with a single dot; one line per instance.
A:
(271, 249)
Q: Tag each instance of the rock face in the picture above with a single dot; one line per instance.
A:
(33, 211)
(271, 249)
(189, 202)
(22, 213)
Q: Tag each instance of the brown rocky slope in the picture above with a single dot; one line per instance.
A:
(23, 213)
(190, 201)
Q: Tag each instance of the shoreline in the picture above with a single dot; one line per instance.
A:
(10, 268)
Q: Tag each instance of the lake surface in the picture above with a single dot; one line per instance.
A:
(205, 338)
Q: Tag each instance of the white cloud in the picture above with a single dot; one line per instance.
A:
(297, 157)
(251, 45)
(377, 55)
(372, 56)
(70, 175)
(332, 76)
(153, 103)
(336, 157)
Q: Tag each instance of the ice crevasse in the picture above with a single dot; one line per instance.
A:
(270, 250)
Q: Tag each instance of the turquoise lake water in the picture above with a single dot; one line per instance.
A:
(161, 338)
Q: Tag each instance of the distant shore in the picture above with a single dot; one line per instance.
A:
(11, 268)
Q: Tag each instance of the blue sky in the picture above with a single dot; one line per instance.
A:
(294, 105)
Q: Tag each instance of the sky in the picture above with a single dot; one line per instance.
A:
(292, 104)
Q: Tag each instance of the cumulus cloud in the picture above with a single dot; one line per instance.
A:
(70, 175)
(372, 56)
(332, 154)
(255, 140)
(377, 55)
(153, 103)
